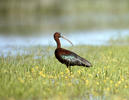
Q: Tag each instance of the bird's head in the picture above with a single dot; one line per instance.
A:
(59, 35)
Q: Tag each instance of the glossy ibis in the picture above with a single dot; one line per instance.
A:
(67, 57)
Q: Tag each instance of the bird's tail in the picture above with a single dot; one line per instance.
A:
(86, 63)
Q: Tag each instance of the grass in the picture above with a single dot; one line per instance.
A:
(37, 75)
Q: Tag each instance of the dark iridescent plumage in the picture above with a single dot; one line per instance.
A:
(70, 58)
(67, 57)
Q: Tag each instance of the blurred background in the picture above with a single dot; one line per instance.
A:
(27, 17)
(85, 22)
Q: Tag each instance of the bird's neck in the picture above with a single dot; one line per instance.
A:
(58, 42)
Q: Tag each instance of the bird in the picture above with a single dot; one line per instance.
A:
(67, 57)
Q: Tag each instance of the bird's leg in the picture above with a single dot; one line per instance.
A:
(69, 67)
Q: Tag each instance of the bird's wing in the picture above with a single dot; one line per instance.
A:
(74, 59)
(69, 57)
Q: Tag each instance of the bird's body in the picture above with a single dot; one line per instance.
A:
(70, 58)
(67, 57)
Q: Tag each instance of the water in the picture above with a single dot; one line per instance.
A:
(7, 44)
(78, 38)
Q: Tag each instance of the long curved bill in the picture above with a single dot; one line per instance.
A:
(67, 40)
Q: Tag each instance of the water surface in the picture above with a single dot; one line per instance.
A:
(78, 38)
(7, 44)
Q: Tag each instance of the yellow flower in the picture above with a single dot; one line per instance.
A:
(21, 80)
(55, 77)
(119, 82)
(51, 76)
(43, 75)
(90, 75)
(87, 82)
(114, 60)
(108, 89)
(61, 73)
(97, 83)
(98, 72)
(36, 67)
(40, 73)
(104, 81)
(67, 70)
(66, 77)
(126, 86)
(79, 71)
(116, 85)
(122, 79)
(111, 81)
(72, 76)
(32, 70)
(69, 84)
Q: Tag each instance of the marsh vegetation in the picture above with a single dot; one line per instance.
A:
(36, 74)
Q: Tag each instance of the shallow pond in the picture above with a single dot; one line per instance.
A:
(78, 38)
(7, 44)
